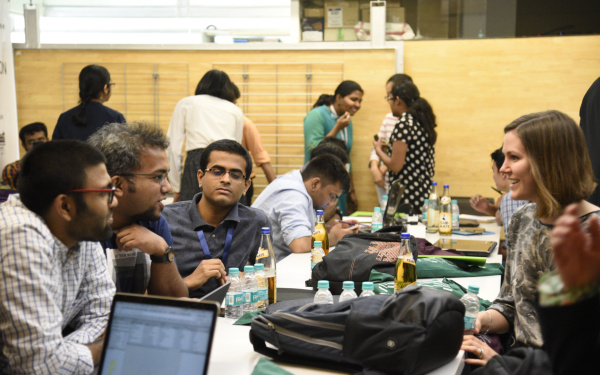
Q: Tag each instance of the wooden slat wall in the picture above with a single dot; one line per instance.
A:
(475, 87)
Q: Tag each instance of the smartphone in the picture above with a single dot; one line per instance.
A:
(376, 137)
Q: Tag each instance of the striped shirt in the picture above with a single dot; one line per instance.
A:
(385, 131)
(44, 288)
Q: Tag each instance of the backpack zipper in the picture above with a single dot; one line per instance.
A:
(309, 322)
(299, 336)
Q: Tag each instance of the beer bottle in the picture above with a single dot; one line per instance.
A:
(320, 233)
(446, 212)
(405, 272)
(266, 256)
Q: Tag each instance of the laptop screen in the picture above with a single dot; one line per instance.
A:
(158, 336)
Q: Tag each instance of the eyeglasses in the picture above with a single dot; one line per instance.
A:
(388, 97)
(110, 192)
(220, 172)
(159, 177)
(111, 84)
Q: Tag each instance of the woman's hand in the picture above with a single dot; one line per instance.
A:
(480, 349)
(343, 121)
(576, 250)
(377, 175)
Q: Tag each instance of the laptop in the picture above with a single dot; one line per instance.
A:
(218, 295)
(476, 248)
(158, 335)
(394, 200)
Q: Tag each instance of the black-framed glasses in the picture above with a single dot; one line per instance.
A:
(111, 84)
(109, 192)
(220, 172)
(158, 177)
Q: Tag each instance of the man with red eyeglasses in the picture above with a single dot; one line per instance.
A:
(55, 290)
(140, 255)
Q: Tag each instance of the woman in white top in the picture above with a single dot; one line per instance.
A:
(199, 120)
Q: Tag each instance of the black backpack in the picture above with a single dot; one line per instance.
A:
(412, 332)
(356, 254)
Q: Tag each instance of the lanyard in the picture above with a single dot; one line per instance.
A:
(225, 249)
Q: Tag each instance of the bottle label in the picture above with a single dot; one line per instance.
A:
(234, 299)
(263, 294)
(375, 227)
(262, 253)
(445, 222)
(445, 200)
(254, 297)
(469, 322)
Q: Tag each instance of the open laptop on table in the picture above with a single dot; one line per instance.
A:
(158, 335)
(394, 200)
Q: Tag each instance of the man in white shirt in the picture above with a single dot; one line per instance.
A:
(291, 199)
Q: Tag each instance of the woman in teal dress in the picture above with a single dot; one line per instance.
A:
(331, 116)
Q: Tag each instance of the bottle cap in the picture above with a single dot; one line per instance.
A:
(348, 285)
(446, 186)
(404, 236)
(259, 267)
(319, 212)
(384, 197)
(265, 230)
(318, 243)
(434, 183)
(234, 271)
(377, 209)
(249, 269)
(323, 284)
(454, 201)
(473, 289)
(367, 285)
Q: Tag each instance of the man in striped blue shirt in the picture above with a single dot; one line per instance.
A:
(55, 291)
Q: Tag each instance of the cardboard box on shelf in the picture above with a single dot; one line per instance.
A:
(314, 12)
(312, 24)
(341, 14)
(312, 36)
(337, 35)
(393, 13)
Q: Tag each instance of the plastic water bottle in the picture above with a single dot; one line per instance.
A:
(266, 256)
(250, 290)
(424, 209)
(455, 215)
(376, 220)
(348, 292)
(367, 289)
(317, 254)
(261, 283)
(433, 210)
(471, 302)
(384, 200)
(323, 295)
(234, 299)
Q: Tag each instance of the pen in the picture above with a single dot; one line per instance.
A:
(353, 223)
(496, 190)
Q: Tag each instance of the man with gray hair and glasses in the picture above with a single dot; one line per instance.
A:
(140, 250)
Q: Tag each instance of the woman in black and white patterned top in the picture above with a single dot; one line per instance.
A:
(410, 155)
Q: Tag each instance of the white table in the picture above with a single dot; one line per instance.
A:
(232, 352)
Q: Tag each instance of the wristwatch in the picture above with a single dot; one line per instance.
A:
(167, 257)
